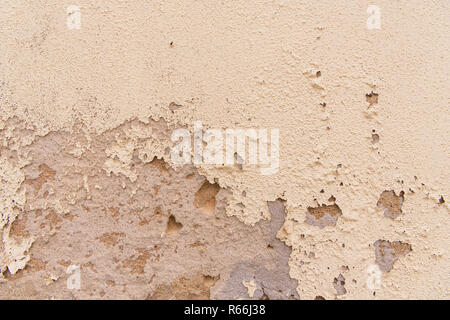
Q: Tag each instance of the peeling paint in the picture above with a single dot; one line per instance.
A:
(88, 107)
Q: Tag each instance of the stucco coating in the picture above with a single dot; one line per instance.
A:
(86, 117)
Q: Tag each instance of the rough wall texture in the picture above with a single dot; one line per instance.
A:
(357, 208)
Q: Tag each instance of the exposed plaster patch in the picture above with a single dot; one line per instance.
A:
(391, 203)
(269, 271)
(115, 228)
(387, 252)
(338, 284)
(322, 216)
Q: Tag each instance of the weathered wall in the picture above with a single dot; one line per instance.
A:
(357, 208)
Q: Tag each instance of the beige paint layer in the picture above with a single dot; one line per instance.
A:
(360, 111)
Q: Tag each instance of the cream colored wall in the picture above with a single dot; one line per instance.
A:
(375, 118)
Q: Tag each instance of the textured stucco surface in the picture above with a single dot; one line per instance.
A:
(86, 117)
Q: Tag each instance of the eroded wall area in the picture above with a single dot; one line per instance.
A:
(162, 234)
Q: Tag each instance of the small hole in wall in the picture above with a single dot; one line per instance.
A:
(205, 197)
(441, 200)
(372, 98)
(173, 226)
(171, 44)
(318, 74)
(264, 297)
(174, 106)
(375, 138)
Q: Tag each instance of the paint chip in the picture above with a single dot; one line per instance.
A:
(386, 253)
(372, 98)
(322, 216)
(391, 203)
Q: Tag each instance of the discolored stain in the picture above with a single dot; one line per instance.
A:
(45, 174)
(53, 219)
(137, 264)
(19, 227)
(110, 239)
(196, 287)
(114, 212)
(35, 265)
